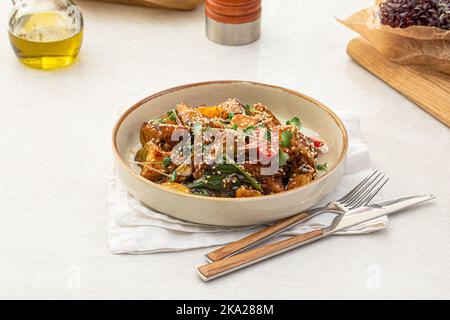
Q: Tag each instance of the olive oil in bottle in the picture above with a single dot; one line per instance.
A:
(47, 39)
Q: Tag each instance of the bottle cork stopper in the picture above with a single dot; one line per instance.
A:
(233, 11)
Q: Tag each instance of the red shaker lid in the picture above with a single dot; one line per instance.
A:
(233, 11)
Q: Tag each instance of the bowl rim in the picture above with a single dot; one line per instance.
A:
(137, 105)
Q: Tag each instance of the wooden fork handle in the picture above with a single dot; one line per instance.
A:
(255, 238)
(219, 268)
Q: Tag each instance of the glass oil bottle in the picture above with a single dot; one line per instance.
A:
(46, 34)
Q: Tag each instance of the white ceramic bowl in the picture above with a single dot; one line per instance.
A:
(230, 212)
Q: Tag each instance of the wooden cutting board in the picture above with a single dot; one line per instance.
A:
(165, 4)
(429, 90)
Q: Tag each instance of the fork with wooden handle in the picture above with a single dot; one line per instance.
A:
(359, 196)
(219, 268)
(340, 222)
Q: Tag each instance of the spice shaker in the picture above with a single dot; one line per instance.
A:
(233, 22)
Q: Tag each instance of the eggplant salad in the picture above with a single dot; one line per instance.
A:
(295, 149)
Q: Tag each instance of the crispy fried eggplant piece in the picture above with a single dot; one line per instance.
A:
(303, 175)
(270, 121)
(199, 170)
(159, 134)
(299, 145)
(189, 116)
(247, 192)
(243, 122)
(233, 106)
(272, 185)
(153, 164)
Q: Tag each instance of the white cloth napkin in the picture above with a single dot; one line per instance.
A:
(135, 228)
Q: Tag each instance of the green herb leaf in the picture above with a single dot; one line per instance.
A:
(249, 130)
(214, 182)
(173, 176)
(225, 169)
(230, 115)
(247, 109)
(286, 137)
(246, 175)
(173, 117)
(234, 127)
(294, 122)
(249, 178)
(217, 183)
(322, 167)
(166, 162)
(283, 158)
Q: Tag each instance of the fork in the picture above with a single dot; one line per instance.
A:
(359, 196)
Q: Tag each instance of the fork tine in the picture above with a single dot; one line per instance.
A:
(356, 189)
(363, 188)
(366, 192)
(367, 198)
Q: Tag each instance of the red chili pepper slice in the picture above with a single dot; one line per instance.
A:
(317, 143)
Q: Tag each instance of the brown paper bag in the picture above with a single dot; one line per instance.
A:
(416, 45)
(165, 4)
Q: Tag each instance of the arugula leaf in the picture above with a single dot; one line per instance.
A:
(322, 166)
(286, 137)
(283, 158)
(295, 122)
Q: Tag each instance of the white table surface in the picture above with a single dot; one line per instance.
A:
(55, 139)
